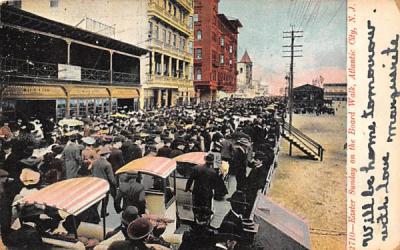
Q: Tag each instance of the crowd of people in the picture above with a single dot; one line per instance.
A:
(239, 132)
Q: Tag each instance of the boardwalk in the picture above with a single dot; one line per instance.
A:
(316, 190)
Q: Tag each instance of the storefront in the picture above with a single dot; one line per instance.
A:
(59, 101)
(27, 101)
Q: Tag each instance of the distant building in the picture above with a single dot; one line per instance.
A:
(246, 86)
(308, 95)
(215, 50)
(335, 91)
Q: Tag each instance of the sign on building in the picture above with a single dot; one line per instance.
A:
(69, 72)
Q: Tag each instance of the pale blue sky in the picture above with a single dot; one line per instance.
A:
(324, 41)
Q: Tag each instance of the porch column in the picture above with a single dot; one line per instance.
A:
(153, 63)
(159, 98)
(170, 67)
(111, 66)
(162, 64)
(68, 51)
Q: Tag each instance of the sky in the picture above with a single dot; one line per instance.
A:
(323, 23)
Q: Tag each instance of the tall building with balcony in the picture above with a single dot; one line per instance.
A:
(215, 50)
(50, 69)
(164, 27)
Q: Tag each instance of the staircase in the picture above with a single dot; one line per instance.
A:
(308, 146)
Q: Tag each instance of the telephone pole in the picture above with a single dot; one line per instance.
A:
(294, 51)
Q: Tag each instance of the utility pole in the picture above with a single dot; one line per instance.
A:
(293, 49)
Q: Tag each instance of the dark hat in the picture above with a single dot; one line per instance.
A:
(209, 158)
(202, 213)
(3, 173)
(31, 161)
(238, 197)
(139, 229)
(130, 214)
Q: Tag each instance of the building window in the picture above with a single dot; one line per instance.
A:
(221, 59)
(164, 35)
(241, 70)
(230, 49)
(156, 32)
(230, 62)
(174, 11)
(190, 22)
(169, 37)
(182, 44)
(198, 35)
(150, 29)
(174, 41)
(191, 47)
(222, 41)
(196, 18)
(165, 4)
(53, 3)
(198, 74)
(198, 53)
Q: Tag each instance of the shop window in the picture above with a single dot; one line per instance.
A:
(82, 107)
(73, 106)
(114, 105)
(106, 106)
(61, 108)
(99, 106)
(90, 105)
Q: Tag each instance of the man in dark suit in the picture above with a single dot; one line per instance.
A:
(116, 158)
(205, 181)
(235, 215)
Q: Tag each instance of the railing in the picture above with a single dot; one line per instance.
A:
(307, 142)
(125, 77)
(49, 71)
(95, 75)
(28, 69)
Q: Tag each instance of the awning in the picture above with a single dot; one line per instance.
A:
(158, 166)
(124, 93)
(89, 92)
(193, 157)
(72, 196)
(34, 92)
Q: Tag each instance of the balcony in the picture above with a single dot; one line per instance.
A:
(168, 81)
(170, 49)
(157, 10)
(26, 69)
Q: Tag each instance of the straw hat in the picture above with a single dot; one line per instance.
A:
(88, 140)
(139, 229)
(104, 150)
(29, 177)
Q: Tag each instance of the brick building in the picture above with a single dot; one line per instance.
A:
(215, 55)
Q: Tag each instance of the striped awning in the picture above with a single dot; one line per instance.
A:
(73, 196)
(158, 166)
(193, 157)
